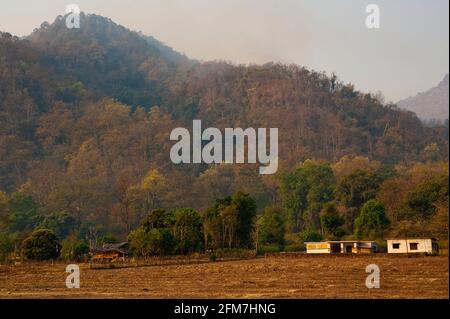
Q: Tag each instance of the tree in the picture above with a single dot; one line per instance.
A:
(41, 245)
(7, 242)
(187, 230)
(74, 249)
(272, 227)
(349, 164)
(230, 220)
(372, 222)
(304, 191)
(353, 191)
(157, 218)
(293, 188)
(246, 209)
(139, 242)
(310, 234)
(357, 188)
(23, 215)
(152, 188)
(4, 211)
(155, 242)
(331, 222)
(229, 216)
(422, 200)
(61, 223)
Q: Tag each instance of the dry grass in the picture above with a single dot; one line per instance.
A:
(282, 277)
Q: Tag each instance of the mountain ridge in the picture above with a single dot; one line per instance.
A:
(432, 104)
(62, 76)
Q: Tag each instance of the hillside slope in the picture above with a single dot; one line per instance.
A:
(59, 75)
(431, 104)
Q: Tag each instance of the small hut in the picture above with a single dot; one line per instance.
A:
(110, 253)
(413, 245)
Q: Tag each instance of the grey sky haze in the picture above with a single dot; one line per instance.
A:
(407, 55)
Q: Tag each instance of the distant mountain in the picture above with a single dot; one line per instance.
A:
(54, 84)
(432, 104)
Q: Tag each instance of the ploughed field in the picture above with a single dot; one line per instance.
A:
(301, 276)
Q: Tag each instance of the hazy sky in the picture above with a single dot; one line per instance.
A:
(408, 54)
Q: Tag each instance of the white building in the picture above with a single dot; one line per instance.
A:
(413, 245)
(341, 247)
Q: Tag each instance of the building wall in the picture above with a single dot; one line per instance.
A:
(340, 247)
(423, 246)
(318, 248)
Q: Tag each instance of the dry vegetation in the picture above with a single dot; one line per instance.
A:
(283, 277)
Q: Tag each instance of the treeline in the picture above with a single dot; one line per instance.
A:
(353, 198)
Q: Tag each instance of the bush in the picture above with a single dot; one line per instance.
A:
(213, 257)
(268, 249)
(6, 246)
(294, 247)
(41, 245)
(73, 249)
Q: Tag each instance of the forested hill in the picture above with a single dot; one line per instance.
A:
(62, 88)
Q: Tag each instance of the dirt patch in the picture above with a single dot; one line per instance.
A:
(281, 277)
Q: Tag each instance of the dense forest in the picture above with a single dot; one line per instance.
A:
(85, 119)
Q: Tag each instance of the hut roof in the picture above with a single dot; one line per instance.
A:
(120, 247)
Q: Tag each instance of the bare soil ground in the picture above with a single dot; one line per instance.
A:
(271, 277)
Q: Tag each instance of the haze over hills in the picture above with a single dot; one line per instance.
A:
(432, 104)
(64, 74)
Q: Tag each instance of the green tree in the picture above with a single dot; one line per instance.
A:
(331, 222)
(7, 242)
(155, 242)
(246, 208)
(272, 227)
(310, 234)
(157, 218)
(230, 220)
(60, 222)
(41, 245)
(304, 192)
(423, 198)
(74, 249)
(357, 188)
(353, 191)
(23, 214)
(187, 230)
(294, 191)
(372, 222)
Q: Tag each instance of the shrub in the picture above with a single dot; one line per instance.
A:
(268, 249)
(41, 245)
(73, 249)
(6, 246)
(294, 247)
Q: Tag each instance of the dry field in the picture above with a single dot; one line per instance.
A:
(270, 277)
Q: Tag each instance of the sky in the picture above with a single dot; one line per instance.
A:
(408, 54)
